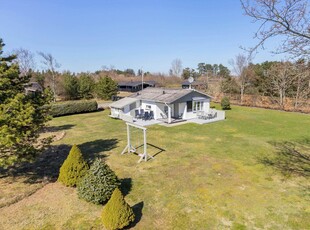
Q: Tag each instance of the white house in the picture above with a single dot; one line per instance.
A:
(163, 104)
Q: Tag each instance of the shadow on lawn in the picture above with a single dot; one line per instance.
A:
(126, 185)
(94, 149)
(137, 210)
(290, 158)
(46, 167)
(58, 128)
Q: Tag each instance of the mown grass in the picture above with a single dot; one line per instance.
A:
(208, 176)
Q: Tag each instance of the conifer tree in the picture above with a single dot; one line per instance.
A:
(117, 214)
(73, 169)
(106, 88)
(22, 116)
(98, 184)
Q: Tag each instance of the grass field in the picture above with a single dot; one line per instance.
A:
(203, 176)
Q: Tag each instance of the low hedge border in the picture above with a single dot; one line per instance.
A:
(73, 107)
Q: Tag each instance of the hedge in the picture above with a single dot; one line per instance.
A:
(73, 107)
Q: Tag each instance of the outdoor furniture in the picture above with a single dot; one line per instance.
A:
(146, 116)
(137, 114)
(151, 115)
(141, 113)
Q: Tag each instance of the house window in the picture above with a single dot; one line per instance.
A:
(198, 106)
(148, 107)
(189, 105)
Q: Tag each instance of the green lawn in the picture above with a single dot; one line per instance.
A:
(208, 176)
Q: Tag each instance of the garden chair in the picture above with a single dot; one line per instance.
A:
(151, 115)
(146, 116)
(141, 113)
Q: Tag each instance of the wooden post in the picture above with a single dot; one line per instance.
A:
(145, 144)
(128, 138)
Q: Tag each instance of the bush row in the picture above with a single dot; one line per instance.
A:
(73, 107)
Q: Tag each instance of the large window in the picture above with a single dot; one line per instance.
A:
(189, 105)
(197, 106)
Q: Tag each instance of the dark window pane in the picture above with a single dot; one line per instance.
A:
(189, 106)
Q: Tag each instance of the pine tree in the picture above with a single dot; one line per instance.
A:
(117, 214)
(70, 84)
(106, 88)
(22, 115)
(74, 168)
(86, 86)
(98, 184)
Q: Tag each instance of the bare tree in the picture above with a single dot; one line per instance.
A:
(176, 67)
(240, 67)
(51, 64)
(282, 76)
(25, 60)
(287, 19)
(302, 83)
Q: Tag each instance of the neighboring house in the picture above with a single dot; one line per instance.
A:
(135, 86)
(163, 104)
(194, 85)
(33, 87)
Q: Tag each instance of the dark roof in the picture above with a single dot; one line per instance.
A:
(33, 87)
(164, 95)
(193, 83)
(135, 83)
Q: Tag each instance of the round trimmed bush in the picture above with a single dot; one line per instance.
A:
(98, 184)
(74, 168)
(225, 103)
(117, 214)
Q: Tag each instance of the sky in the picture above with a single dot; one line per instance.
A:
(149, 34)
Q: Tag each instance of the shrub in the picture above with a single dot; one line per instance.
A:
(117, 214)
(225, 103)
(73, 169)
(73, 107)
(98, 184)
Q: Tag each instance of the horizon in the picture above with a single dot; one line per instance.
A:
(85, 37)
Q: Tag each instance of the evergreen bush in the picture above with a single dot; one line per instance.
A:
(98, 184)
(225, 103)
(73, 169)
(117, 214)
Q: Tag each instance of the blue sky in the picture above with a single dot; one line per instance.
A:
(86, 35)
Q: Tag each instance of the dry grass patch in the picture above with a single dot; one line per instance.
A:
(53, 206)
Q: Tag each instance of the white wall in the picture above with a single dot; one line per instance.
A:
(206, 106)
(160, 111)
(152, 104)
(193, 114)
(116, 112)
